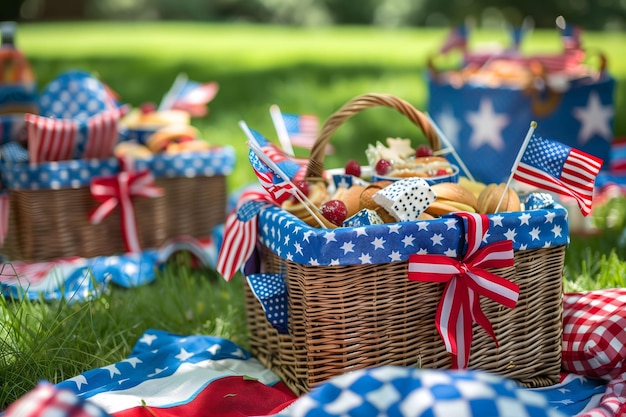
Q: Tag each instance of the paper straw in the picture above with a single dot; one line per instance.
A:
(281, 129)
(520, 154)
(170, 96)
(449, 146)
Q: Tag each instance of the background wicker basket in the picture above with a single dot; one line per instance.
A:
(352, 316)
(52, 223)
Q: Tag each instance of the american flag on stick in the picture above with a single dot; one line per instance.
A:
(303, 130)
(555, 167)
(277, 187)
(241, 233)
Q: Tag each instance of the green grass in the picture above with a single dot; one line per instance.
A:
(302, 70)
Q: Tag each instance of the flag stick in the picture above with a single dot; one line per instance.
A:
(300, 196)
(168, 99)
(449, 146)
(281, 129)
(531, 129)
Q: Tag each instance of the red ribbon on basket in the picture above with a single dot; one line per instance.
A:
(119, 190)
(466, 280)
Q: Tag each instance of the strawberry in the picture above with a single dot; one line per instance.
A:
(304, 187)
(382, 167)
(353, 168)
(335, 211)
(147, 108)
(423, 150)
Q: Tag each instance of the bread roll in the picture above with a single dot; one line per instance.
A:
(490, 196)
(449, 193)
(159, 140)
(351, 197)
(367, 202)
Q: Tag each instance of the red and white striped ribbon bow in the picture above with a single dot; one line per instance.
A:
(119, 190)
(466, 280)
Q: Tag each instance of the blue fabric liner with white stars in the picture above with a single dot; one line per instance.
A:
(292, 239)
(79, 173)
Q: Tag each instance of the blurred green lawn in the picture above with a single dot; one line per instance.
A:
(302, 70)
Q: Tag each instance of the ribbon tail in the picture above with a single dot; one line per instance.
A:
(464, 332)
(127, 215)
(103, 210)
(479, 317)
(447, 316)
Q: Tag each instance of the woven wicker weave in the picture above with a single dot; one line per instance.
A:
(48, 224)
(343, 318)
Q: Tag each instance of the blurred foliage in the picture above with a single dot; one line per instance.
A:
(589, 14)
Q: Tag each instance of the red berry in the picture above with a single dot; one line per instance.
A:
(442, 172)
(148, 108)
(353, 168)
(304, 187)
(423, 150)
(335, 211)
(382, 167)
(185, 138)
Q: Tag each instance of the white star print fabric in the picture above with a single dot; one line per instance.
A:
(293, 240)
(487, 124)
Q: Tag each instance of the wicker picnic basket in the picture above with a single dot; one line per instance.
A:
(48, 220)
(345, 315)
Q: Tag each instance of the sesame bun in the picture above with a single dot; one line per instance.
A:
(132, 150)
(366, 201)
(159, 140)
(490, 196)
(453, 192)
(351, 197)
(154, 119)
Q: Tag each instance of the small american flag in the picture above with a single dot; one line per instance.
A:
(555, 167)
(618, 156)
(302, 129)
(194, 97)
(457, 38)
(277, 187)
(293, 168)
(571, 35)
(240, 233)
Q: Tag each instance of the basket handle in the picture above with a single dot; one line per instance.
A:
(315, 167)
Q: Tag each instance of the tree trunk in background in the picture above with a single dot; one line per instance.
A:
(63, 10)
(10, 10)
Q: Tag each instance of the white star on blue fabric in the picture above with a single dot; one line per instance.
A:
(148, 339)
(595, 119)
(487, 126)
(378, 243)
